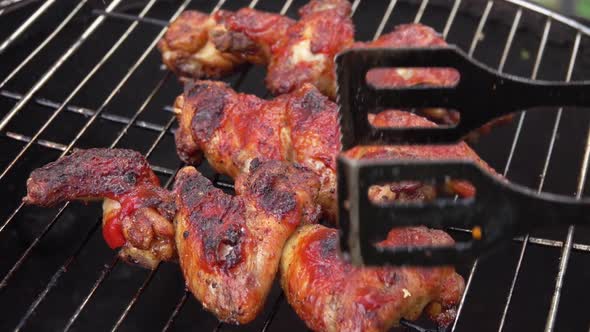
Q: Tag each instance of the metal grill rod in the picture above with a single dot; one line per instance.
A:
(102, 276)
(117, 88)
(14, 36)
(385, 18)
(480, 25)
(555, 16)
(451, 18)
(56, 65)
(420, 11)
(87, 112)
(526, 239)
(567, 246)
(535, 240)
(44, 43)
(134, 18)
(503, 58)
(79, 87)
(7, 6)
(522, 116)
(176, 310)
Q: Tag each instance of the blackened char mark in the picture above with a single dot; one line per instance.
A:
(312, 102)
(191, 187)
(328, 246)
(209, 100)
(274, 196)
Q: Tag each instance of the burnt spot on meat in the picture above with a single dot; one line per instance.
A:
(131, 177)
(328, 246)
(191, 187)
(209, 104)
(229, 252)
(279, 203)
(272, 196)
(185, 234)
(222, 242)
(312, 102)
(254, 163)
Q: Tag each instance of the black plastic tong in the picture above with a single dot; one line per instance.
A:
(499, 211)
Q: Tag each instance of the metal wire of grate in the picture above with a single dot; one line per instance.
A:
(56, 109)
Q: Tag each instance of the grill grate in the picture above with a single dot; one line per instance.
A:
(27, 150)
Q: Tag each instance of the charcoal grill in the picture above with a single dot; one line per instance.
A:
(79, 74)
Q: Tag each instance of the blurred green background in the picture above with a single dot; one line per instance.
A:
(580, 8)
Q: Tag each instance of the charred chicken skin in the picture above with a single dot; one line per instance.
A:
(231, 129)
(332, 295)
(137, 212)
(229, 246)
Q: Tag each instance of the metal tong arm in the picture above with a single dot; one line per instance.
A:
(500, 210)
(481, 95)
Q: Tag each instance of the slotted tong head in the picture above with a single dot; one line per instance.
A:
(499, 211)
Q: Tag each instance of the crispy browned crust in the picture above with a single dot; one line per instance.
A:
(229, 246)
(332, 295)
(137, 212)
(187, 48)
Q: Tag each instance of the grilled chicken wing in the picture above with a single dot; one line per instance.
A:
(137, 212)
(298, 127)
(187, 48)
(332, 295)
(229, 246)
